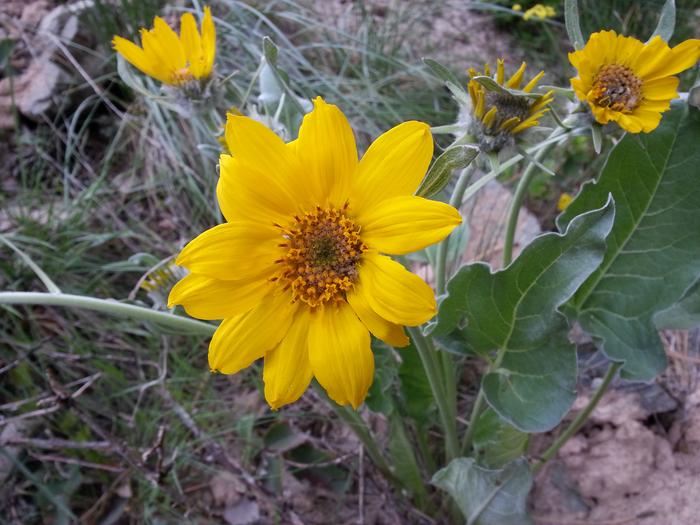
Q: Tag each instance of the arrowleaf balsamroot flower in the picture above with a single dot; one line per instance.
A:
(627, 81)
(169, 58)
(297, 272)
(498, 115)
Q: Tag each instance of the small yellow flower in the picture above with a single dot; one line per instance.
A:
(564, 201)
(627, 81)
(171, 59)
(539, 11)
(501, 115)
(517, 7)
(297, 273)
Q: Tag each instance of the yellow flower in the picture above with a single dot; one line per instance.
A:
(564, 201)
(630, 82)
(500, 115)
(517, 7)
(171, 59)
(296, 272)
(539, 11)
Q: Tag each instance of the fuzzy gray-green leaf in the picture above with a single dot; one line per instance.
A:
(667, 21)
(653, 253)
(488, 497)
(440, 173)
(516, 309)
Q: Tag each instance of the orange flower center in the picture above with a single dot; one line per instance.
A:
(617, 87)
(323, 251)
(182, 76)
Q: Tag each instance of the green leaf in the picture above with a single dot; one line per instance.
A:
(653, 253)
(573, 26)
(403, 459)
(441, 71)
(683, 315)
(516, 310)
(440, 173)
(270, 51)
(667, 21)
(415, 388)
(488, 497)
(491, 85)
(6, 47)
(597, 136)
(385, 370)
(496, 442)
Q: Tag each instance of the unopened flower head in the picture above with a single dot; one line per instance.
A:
(627, 81)
(172, 59)
(499, 115)
(297, 272)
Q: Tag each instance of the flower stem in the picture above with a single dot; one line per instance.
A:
(478, 405)
(455, 201)
(581, 418)
(428, 357)
(108, 306)
(357, 424)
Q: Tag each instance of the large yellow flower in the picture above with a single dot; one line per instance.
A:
(630, 82)
(173, 59)
(296, 272)
(499, 115)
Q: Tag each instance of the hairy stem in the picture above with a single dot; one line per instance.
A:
(428, 357)
(455, 201)
(109, 306)
(581, 418)
(357, 424)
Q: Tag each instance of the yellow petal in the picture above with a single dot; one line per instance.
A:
(406, 224)
(257, 147)
(170, 42)
(245, 193)
(517, 78)
(191, 43)
(340, 354)
(490, 116)
(390, 333)
(287, 371)
(326, 148)
(233, 251)
(660, 89)
(500, 71)
(684, 56)
(393, 165)
(158, 54)
(208, 41)
(241, 340)
(641, 120)
(394, 293)
(135, 56)
(208, 298)
(531, 85)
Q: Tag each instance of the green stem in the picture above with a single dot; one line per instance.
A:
(428, 358)
(581, 418)
(476, 412)
(363, 433)
(455, 201)
(479, 405)
(108, 306)
(517, 203)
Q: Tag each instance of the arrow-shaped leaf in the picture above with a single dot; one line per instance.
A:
(515, 310)
(653, 253)
(488, 497)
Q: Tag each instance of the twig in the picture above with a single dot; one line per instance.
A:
(58, 444)
(79, 462)
(361, 486)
